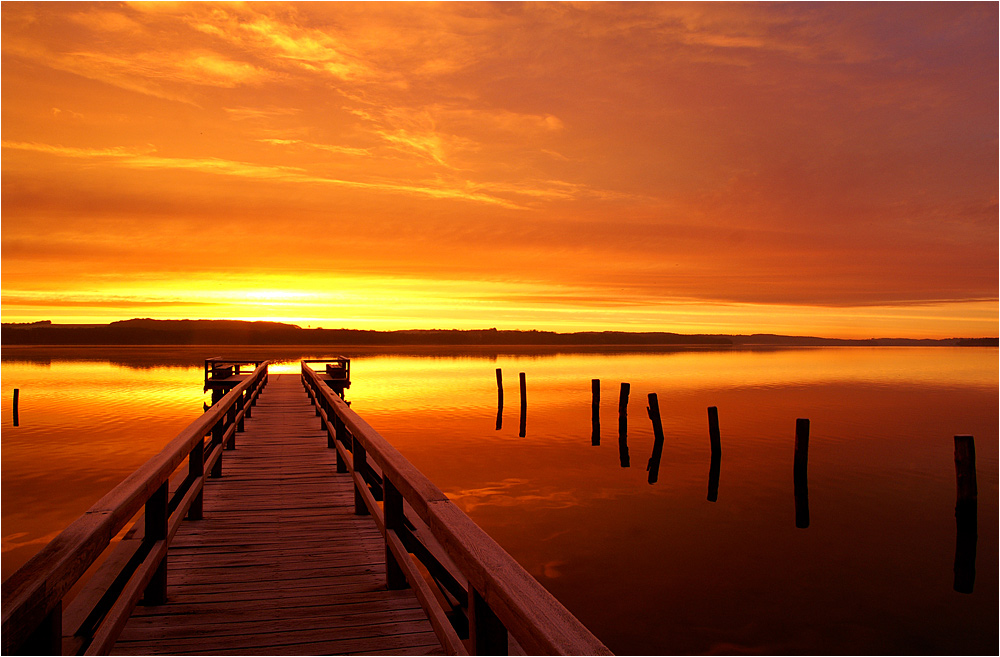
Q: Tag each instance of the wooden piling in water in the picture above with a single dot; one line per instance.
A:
(800, 474)
(623, 425)
(966, 514)
(714, 437)
(653, 466)
(524, 406)
(595, 411)
(17, 393)
(499, 398)
(715, 466)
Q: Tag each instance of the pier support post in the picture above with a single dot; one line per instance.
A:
(801, 478)
(966, 514)
(17, 393)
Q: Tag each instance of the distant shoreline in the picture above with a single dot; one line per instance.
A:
(173, 333)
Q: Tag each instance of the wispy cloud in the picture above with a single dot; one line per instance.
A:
(138, 159)
(344, 150)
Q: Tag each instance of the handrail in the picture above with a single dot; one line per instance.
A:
(420, 524)
(217, 366)
(33, 616)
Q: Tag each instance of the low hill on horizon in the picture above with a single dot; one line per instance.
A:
(147, 331)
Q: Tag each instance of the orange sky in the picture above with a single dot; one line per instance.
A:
(826, 169)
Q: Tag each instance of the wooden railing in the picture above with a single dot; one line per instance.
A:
(475, 594)
(222, 368)
(34, 621)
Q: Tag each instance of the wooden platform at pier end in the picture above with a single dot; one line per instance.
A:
(280, 564)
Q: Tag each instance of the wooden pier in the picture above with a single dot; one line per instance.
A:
(294, 529)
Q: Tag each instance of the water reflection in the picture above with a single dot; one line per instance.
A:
(551, 498)
(801, 473)
(714, 468)
(499, 410)
(966, 514)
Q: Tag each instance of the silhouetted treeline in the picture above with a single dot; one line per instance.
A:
(234, 332)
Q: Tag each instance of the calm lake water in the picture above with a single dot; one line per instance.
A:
(650, 568)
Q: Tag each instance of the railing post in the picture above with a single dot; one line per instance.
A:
(196, 471)
(240, 403)
(360, 463)
(230, 419)
(343, 437)
(218, 431)
(487, 635)
(392, 508)
(248, 404)
(157, 514)
(46, 639)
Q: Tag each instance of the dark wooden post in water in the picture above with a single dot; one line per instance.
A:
(653, 467)
(17, 392)
(715, 467)
(595, 411)
(801, 468)
(499, 398)
(623, 425)
(966, 514)
(524, 406)
(714, 436)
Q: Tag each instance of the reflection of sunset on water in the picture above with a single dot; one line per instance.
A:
(881, 477)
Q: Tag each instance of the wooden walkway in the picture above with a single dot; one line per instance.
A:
(279, 564)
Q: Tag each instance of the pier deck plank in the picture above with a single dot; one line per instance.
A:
(279, 564)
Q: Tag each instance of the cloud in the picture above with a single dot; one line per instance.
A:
(137, 159)
(344, 150)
